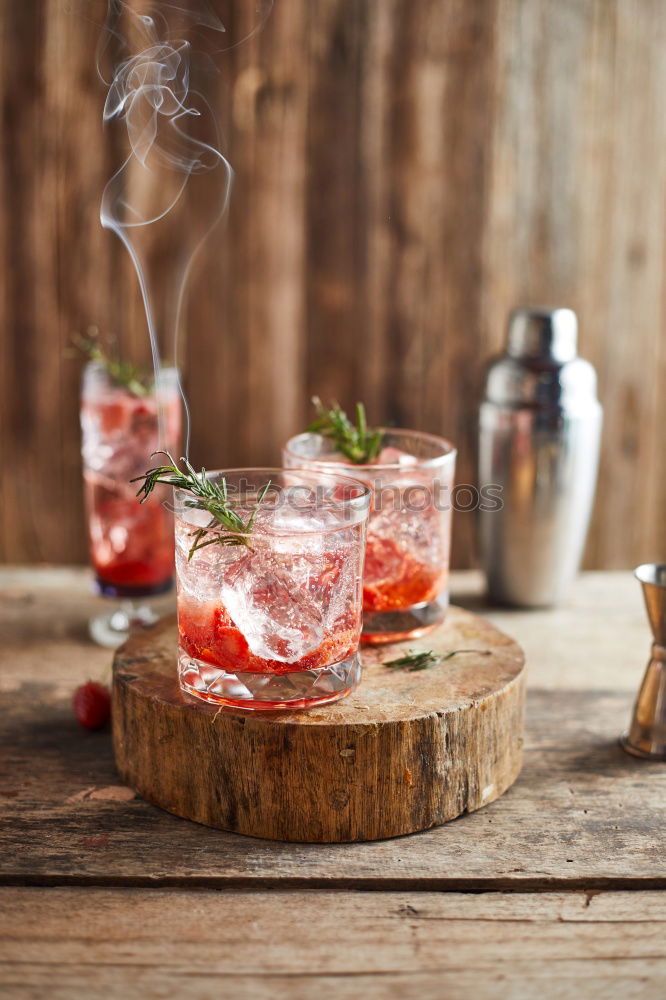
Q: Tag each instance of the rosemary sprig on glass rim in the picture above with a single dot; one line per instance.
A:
(415, 660)
(123, 373)
(357, 442)
(226, 526)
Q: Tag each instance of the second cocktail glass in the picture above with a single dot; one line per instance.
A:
(405, 587)
(131, 546)
(271, 618)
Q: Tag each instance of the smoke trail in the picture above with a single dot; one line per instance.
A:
(172, 147)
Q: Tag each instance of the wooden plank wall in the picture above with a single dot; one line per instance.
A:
(405, 173)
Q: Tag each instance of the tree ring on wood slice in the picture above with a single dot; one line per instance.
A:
(405, 752)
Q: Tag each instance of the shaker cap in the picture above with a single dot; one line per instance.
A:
(541, 332)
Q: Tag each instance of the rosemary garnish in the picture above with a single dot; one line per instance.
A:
(226, 527)
(359, 443)
(414, 660)
(123, 373)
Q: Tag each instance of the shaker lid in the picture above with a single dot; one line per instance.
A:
(538, 332)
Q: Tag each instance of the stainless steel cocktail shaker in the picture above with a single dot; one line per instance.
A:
(540, 429)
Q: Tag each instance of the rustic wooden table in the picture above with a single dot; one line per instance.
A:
(553, 891)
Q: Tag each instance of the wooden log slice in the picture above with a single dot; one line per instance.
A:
(405, 752)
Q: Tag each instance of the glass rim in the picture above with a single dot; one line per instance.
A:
(359, 502)
(169, 370)
(448, 452)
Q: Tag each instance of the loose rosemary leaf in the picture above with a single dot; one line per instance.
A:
(414, 660)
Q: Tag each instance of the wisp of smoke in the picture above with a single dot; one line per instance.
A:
(172, 147)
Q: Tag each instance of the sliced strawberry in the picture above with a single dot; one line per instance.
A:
(393, 579)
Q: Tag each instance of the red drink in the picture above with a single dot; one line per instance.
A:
(207, 632)
(394, 579)
(274, 619)
(131, 544)
(405, 580)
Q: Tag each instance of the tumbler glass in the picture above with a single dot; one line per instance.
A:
(271, 618)
(405, 585)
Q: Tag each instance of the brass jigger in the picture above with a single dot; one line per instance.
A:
(647, 732)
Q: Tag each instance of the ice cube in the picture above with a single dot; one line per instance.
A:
(395, 456)
(291, 517)
(274, 599)
(417, 532)
(201, 576)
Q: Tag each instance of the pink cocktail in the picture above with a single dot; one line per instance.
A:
(405, 584)
(131, 544)
(271, 618)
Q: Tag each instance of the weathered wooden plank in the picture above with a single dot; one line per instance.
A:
(246, 323)
(598, 639)
(339, 37)
(599, 979)
(405, 173)
(55, 267)
(163, 943)
(572, 220)
(396, 213)
(583, 813)
(43, 626)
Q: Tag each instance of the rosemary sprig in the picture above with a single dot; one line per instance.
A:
(226, 526)
(123, 373)
(357, 442)
(414, 660)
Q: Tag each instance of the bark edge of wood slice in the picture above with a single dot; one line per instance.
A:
(405, 752)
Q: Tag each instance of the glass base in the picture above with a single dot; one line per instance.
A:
(107, 589)
(408, 623)
(113, 628)
(268, 692)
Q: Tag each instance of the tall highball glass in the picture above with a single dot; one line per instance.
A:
(131, 544)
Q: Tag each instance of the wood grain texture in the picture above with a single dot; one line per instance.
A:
(405, 174)
(582, 813)
(598, 640)
(574, 220)
(395, 946)
(406, 752)
(104, 896)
